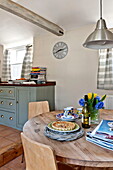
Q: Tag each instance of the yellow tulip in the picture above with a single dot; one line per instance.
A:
(95, 95)
(90, 95)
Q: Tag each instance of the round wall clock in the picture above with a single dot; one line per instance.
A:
(60, 50)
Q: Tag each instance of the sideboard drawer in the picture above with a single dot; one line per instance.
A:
(7, 91)
(8, 118)
(9, 104)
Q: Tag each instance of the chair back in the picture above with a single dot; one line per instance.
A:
(37, 108)
(38, 156)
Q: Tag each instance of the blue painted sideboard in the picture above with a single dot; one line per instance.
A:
(14, 99)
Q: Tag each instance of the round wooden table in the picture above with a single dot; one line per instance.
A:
(78, 152)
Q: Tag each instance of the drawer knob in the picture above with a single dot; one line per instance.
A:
(10, 118)
(10, 91)
(2, 116)
(1, 91)
(10, 103)
(2, 102)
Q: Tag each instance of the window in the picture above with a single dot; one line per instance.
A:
(16, 59)
(105, 69)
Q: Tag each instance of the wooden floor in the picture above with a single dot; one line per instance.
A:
(10, 144)
(15, 164)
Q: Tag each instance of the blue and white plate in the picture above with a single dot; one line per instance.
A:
(71, 117)
(63, 136)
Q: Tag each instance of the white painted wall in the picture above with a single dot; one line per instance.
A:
(22, 42)
(76, 74)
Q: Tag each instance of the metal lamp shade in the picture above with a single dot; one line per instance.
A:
(101, 38)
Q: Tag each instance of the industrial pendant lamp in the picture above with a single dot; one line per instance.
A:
(101, 38)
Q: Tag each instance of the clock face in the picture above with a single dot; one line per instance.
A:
(60, 50)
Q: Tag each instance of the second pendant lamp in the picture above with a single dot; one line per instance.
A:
(101, 38)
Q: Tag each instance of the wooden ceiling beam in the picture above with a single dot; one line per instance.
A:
(30, 16)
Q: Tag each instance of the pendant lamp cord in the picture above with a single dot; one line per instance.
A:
(100, 9)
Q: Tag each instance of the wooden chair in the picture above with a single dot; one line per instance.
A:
(39, 156)
(36, 108)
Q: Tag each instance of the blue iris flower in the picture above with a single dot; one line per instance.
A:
(99, 105)
(82, 102)
(97, 97)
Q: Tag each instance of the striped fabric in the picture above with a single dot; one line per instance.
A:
(105, 69)
(6, 67)
(27, 63)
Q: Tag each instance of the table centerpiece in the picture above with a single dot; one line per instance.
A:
(94, 103)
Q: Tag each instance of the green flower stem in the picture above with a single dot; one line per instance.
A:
(94, 114)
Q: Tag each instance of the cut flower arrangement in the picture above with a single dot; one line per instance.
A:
(94, 103)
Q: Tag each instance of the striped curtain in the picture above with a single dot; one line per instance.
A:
(27, 63)
(105, 69)
(6, 67)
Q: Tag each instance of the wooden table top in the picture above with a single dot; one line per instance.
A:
(80, 151)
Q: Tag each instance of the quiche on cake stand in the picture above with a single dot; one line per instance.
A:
(63, 126)
(63, 131)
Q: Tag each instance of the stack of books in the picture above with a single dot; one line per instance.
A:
(38, 74)
(102, 135)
